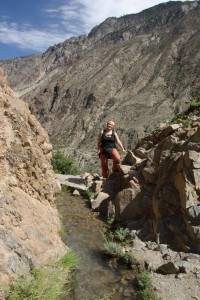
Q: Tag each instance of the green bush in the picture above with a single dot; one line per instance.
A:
(47, 283)
(195, 101)
(63, 164)
(146, 291)
(120, 234)
(112, 249)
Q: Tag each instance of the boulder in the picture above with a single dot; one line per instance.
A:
(96, 202)
(96, 185)
(131, 159)
(131, 204)
(168, 268)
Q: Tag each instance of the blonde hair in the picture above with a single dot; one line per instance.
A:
(111, 122)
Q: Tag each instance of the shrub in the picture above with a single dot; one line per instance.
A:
(145, 286)
(112, 249)
(120, 234)
(63, 164)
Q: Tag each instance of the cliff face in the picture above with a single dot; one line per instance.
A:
(29, 225)
(160, 193)
(138, 70)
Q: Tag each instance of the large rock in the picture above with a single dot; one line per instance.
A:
(133, 203)
(72, 181)
(97, 201)
(29, 224)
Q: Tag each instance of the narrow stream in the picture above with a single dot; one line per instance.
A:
(95, 279)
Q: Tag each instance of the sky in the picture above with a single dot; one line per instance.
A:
(31, 26)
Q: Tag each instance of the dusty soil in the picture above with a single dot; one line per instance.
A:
(183, 284)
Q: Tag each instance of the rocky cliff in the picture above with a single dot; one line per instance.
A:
(156, 192)
(29, 224)
(160, 193)
(139, 70)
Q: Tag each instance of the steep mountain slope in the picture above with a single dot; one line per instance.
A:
(139, 70)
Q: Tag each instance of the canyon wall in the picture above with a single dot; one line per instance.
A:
(29, 223)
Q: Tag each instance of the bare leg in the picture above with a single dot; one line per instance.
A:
(116, 159)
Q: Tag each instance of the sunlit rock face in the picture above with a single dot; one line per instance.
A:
(161, 186)
(139, 69)
(29, 224)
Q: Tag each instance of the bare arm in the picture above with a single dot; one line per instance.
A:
(119, 142)
(99, 141)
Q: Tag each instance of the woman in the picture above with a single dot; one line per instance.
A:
(107, 148)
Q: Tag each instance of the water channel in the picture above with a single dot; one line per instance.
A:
(95, 278)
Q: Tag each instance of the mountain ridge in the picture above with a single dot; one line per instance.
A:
(127, 69)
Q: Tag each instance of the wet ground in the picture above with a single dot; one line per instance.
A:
(95, 278)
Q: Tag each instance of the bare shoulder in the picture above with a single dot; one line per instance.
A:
(115, 133)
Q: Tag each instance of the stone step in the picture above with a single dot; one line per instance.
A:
(72, 181)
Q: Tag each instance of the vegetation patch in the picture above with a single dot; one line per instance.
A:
(87, 194)
(64, 188)
(121, 234)
(185, 117)
(129, 259)
(145, 286)
(48, 283)
(195, 102)
(63, 164)
(113, 247)
(62, 231)
(182, 120)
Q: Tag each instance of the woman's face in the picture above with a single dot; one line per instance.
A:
(110, 124)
